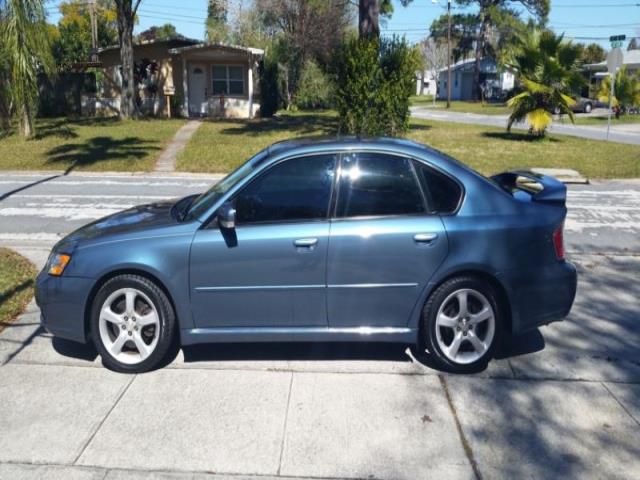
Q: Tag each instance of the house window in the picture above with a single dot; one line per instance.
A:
(228, 80)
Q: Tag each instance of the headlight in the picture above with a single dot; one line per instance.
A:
(57, 263)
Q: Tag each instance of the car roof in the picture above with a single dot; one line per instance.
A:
(344, 142)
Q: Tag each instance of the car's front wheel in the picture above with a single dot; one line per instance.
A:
(132, 324)
(461, 324)
(587, 108)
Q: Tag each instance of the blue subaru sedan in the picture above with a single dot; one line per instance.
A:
(377, 240)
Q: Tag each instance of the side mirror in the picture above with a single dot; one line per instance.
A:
(227, 216)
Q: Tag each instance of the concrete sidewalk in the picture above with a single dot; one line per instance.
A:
(560, 402)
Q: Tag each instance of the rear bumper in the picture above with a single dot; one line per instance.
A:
(540, 296)
(62, 303)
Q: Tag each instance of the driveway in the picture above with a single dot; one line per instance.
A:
(561, 401)
(628, 133)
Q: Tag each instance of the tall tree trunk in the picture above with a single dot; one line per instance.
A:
(26, 122)
(480, 42)
(369, 18)
(125, 35)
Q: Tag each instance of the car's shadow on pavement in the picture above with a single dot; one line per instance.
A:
(307, 351)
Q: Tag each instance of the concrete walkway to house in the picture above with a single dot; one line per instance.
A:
(167, 159)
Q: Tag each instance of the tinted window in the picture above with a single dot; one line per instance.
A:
(296, 189)
(378, 184)
(443, 193)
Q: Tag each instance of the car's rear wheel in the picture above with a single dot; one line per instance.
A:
(587, 108)
(461, 324)
(132, 324)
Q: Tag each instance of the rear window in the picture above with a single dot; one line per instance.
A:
(443, 193)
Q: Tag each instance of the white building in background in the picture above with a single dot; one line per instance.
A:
(494, 82)
(598, 71)
(426, 84)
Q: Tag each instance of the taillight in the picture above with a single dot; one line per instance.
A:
(558, 242)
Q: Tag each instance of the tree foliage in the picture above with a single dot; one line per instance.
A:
(72, 38)
(375, 78)
(498, 23)
(26, 52)
(300, 31)
(217, 30)
(627, 90)
(316, 88)
(591, 53)
(547, 70)
(162, 32)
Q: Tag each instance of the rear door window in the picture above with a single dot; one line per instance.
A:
(374, 184)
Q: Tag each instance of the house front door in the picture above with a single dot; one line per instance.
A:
(197, 90)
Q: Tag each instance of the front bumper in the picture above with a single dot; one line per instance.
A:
(540, 296)
(62, 303)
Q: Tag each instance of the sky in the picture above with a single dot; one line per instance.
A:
(585, 20)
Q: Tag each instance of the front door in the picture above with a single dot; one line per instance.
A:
(270, 270)
(384, 246)
(197, 90)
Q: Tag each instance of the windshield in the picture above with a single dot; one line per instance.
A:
(204, 202)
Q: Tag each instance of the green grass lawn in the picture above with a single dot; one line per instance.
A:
(88, 144)
(16, 285)
(219, 146)
(421, 100)
(463, 106)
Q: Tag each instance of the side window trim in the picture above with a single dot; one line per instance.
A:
(423, 191)
(338, 188)
(266, 170)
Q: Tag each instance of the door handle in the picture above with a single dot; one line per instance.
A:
(306, 242)
(425, 237)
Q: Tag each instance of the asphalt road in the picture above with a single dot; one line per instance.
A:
(619, 133)
(38, 209)
(561, 401)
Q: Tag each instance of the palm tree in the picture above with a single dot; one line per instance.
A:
(547, 70)
(627, 90)
(23, 35)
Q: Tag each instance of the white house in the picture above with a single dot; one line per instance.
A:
(199, 79)
(598, 71)
(426, 84)
(494, 82)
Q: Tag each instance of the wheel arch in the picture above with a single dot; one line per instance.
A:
(124, 271)
(502, 294)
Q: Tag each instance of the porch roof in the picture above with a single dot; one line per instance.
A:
(203, 47)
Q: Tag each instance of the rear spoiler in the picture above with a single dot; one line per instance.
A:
(542, 188)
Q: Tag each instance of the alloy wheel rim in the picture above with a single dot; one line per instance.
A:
(465, 326)
(129, 326)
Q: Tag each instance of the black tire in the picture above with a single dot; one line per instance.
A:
(428, 337)
(587, 108)
(167, 322)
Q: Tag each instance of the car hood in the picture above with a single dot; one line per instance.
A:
(131, 221)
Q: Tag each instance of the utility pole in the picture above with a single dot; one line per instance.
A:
(448, 53)
(94, 30)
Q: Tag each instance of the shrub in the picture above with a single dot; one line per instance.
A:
(315, 90)
(269, 96)
(375, 80)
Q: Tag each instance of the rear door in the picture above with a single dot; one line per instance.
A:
(384, 244)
